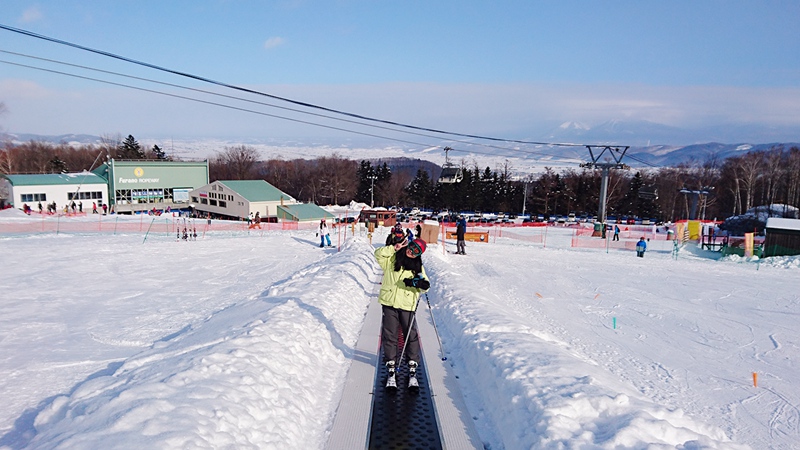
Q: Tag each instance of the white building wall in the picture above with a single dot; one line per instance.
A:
(60, 194)
(235, 204)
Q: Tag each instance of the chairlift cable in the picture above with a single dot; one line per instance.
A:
(252, 91)
(58, 72)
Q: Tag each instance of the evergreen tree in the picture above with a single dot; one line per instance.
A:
(382, 184)
(57, 165)
(364, 172)
(130, 149)
(489, 190)
(159, 153)
(420, 189)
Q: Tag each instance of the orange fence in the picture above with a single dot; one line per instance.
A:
(140, 224)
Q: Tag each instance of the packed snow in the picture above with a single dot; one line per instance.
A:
(243, 340)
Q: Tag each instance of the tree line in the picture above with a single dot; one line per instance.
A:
(44, 157)
(731, 186)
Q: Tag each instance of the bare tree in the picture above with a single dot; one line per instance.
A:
(750, 166)
(792, 168)
(335, 178)
(773, 175)
(110, 143)
(234, 163)
(6, 160)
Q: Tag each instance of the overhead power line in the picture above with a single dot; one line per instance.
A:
(252, 91)
(285, 108)
(237, 108)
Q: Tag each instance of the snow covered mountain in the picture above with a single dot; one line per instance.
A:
(642, 133)
(609, 133)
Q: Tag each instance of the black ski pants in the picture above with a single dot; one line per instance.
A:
(393, 318)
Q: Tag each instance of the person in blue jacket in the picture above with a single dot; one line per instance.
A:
(404, 279)
(641, 247)
(461, 230)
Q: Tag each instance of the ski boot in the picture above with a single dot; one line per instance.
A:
(412, 374)
(391, 381)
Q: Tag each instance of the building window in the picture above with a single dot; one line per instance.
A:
(223, 204)
(86, 195)
(34, 197)
(194, 200)
(204, 201)
(212, 202)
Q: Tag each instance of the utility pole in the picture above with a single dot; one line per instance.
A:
(372, 191)
(524, 195)
(613, 155)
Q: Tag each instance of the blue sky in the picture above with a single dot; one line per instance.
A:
(510, 69)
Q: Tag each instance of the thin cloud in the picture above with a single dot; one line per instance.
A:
(31, 14)
(274, 42)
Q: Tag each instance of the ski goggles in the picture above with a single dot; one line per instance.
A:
(414, 248)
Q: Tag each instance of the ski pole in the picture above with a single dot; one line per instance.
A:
(441, 349)
(408, 335)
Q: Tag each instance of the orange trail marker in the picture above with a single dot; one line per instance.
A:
(595, 297)
(539, 295)
(755, 379)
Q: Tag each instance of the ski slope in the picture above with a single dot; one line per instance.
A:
(243, 341)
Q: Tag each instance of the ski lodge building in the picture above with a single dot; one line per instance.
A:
(144, 185)
(83, 188)
(238, 199)
(137, 186)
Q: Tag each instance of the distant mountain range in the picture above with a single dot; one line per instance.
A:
(642, 133)
(609, 133)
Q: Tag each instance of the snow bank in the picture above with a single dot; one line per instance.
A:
(532, 388)
(259, 374)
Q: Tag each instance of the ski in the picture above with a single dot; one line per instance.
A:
(412, 375)
(391, 382)
(391, 379)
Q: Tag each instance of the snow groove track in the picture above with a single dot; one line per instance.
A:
(403, 418)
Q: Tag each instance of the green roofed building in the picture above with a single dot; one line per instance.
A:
(303, 212)
(143, 185)
(240, 199)
(83, 188)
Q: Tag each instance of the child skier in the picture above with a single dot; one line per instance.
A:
(641, 247)
(324, 234)
(404, 279)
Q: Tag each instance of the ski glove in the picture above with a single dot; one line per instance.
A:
(417, 282)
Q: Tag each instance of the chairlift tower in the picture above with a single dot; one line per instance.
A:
(694, 196)
(612, 156)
